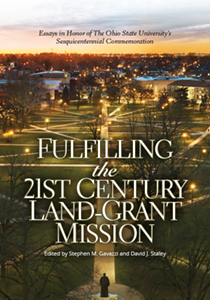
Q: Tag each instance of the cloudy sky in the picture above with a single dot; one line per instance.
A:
(188, 21)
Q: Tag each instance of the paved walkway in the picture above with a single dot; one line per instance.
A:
(104, 264)
(124, 292)
(191, 145)
(54, 132)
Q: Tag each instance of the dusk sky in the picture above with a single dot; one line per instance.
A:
(188, 21)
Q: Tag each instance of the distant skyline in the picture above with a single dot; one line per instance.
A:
(188, 21)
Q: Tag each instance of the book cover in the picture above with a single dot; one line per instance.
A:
(104, 140)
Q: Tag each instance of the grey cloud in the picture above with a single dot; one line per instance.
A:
(181, 17)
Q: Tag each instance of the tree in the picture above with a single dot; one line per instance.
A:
(11, 182)
(78, 96)
(132, 123)
(157, 126)
(65, 94)
(23, 96)
(26, 273)
(181, 97)
(90, 82)
(149, 123)
(163, 99)
(6, 111)
(115, 89)
(136, 118)
(93, 123)
(96, 98)
(187, 263)
(132, 93)
(112, 93)
(184, 271)
(169, 120)
(203, 104)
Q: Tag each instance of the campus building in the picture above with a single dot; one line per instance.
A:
(51, 82)
(196, 89)
(159, 83)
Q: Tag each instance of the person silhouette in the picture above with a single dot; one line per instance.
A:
(104, 283)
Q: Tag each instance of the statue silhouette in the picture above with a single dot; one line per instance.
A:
(104, 283)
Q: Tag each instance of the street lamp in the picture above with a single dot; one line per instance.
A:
(192, 186)
(11, 134)
(46, 122)
(27, 150)
(8, 135)
(98, 130)
(64, 107)
(184, 135)
(113, 163)
(204, 151)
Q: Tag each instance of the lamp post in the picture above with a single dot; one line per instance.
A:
(8, 136)
(98, 131)
(11, 134)
(46, 122)
(27, 150)
(204, 151)
(192, 186)
(64, 107)
(184, 135)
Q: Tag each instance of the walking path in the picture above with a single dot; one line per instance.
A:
(205, 133)
(54, 132)
(104, 264)
(124, 292)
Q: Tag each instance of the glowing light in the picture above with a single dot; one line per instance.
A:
(113, 162)
(192, 186)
